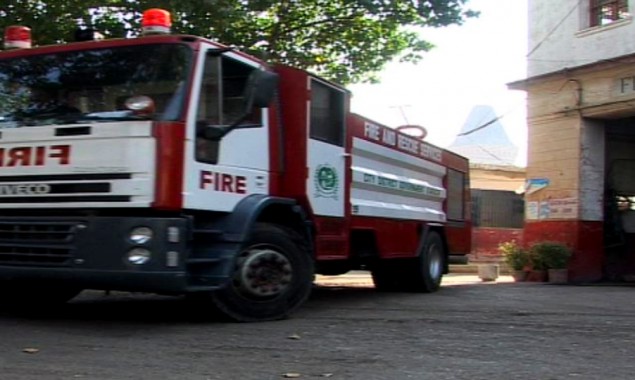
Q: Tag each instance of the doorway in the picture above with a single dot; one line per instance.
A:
(619, 199)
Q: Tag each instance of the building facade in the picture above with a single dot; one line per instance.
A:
(581, 133)
(497, 209)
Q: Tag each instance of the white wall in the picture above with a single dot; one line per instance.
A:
(560, 37)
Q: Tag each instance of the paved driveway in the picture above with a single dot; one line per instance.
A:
(467, 330)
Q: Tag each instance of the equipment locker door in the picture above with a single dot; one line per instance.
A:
(326, 149)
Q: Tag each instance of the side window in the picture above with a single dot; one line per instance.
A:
(209, 106)
(222, 100)
(327, 113)
(209, 103)
(455, 197)
(235, 81)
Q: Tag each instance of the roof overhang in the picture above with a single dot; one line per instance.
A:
(569, 72)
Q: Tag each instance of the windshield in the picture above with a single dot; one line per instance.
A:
(93, 85)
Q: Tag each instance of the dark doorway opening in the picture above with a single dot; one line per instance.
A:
(619, 199)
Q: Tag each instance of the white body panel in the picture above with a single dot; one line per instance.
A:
(243, 155)
(326, 159)
(391, 184)
(201, 192)
(121, 156)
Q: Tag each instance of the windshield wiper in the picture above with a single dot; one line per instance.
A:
(36, 117)
(48, 113)
(69, 115)
(125, 115)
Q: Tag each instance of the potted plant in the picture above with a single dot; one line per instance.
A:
(537, 264)
(554, 257)
(516, 258)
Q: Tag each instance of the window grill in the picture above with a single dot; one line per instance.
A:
(604, 12)
(497, 209)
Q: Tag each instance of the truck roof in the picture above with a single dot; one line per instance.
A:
(193, 41)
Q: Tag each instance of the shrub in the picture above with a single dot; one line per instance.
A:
(514, 255)
(550, 255)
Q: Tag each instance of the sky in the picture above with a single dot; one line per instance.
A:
(470, 65)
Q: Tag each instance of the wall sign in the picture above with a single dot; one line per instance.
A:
(534, 184)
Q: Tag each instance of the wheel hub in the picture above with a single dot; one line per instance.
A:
(263, 273)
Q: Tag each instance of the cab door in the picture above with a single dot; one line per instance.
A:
(326, 159)
(221, 172)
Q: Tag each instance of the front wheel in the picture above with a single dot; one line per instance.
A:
(273, 276)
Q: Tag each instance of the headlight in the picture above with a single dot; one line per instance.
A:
(141, 235)
(139, 256)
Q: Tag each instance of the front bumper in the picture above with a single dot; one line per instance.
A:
(91, 252)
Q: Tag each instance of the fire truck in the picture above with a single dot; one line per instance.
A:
(172, 164)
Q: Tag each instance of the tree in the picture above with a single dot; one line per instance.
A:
(343, 40)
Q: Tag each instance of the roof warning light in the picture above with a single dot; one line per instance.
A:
(17, 37)
(156, 21)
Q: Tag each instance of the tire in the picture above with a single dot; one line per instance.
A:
(429, 269)
(386, 277)
(421, 274)
(273, 276)
(33, 296)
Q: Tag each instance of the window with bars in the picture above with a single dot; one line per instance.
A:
(604, 12)
(497, 209)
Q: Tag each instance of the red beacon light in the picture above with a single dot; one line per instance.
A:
(17, 37)
(156, 21)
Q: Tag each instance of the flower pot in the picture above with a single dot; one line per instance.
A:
(520, 275)
(537, 275)
(488, 272)
(558, 276)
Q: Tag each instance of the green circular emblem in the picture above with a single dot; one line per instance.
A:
(326, 180)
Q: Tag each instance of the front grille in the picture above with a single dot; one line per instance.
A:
(41, 232)
(37, 243)
(35, 256)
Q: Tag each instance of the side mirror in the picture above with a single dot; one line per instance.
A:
(260, 89)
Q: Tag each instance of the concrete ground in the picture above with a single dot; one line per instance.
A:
(469, 329)
(363, 279)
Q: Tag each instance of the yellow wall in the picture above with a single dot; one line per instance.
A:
(489, 177)
(566, 112)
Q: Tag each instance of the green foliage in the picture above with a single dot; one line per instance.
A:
(343, 40)
(550, 255)
(514, 255)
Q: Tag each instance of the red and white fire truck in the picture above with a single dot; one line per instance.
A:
(172, 164)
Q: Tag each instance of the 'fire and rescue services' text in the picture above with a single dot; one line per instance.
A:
(402, 142)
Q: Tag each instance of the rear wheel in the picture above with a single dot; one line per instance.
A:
(273, 276)
(421, 274)
(428, 272)
(386, 277)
